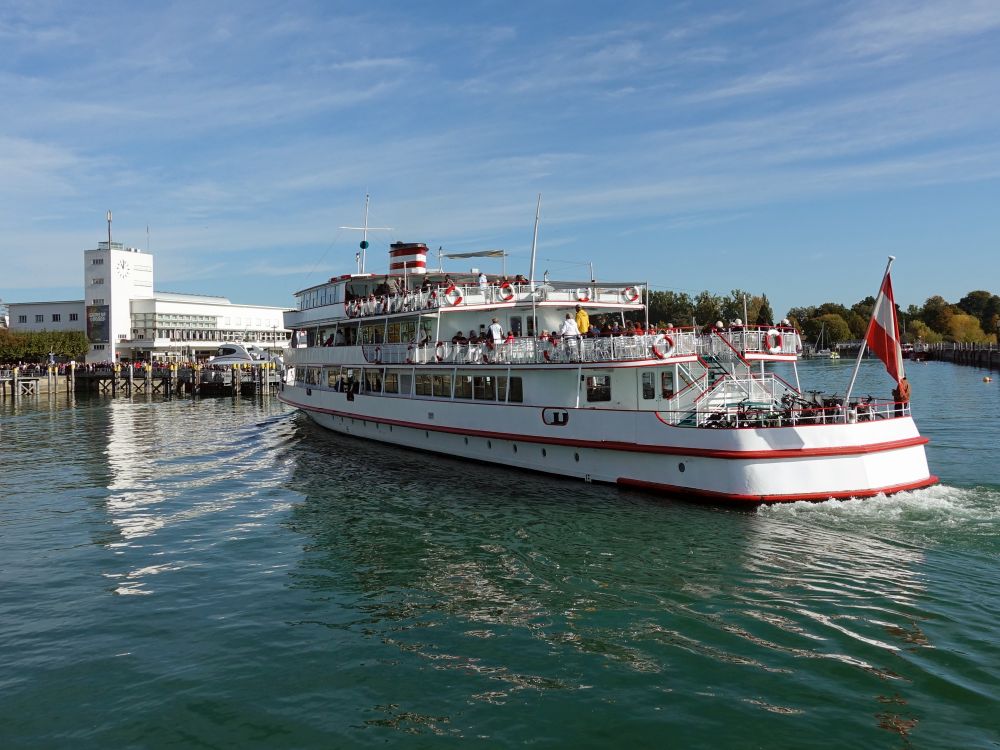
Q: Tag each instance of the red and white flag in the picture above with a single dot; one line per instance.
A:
(883, 331)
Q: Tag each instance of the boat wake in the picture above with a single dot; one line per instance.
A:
(941, 513)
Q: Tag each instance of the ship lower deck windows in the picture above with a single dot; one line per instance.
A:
(463, 386)
(423, 385)
(391, 384)
(484, 388)
(598, 388)
(441, 386)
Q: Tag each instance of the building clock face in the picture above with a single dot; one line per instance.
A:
(122, 269)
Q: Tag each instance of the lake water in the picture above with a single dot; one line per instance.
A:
(220, 574)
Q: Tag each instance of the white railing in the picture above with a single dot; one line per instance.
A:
(728, 343)
(769, 402)
(474, 295)
(519, 351)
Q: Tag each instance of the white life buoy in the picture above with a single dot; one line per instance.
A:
(439, 351)
(582, 295)
(506, 292)
(630, 294)
(772, 341)
(663, 346)
(453, 296)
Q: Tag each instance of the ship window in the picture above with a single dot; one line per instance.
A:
(463, 386)
(442, 385)
(648, 385)
(392, 334)
(405, 380)
(391, 384)
(599, 388)
(332, 376)
(515, 324)
(484, 388)
(667, 384)
(515, 395)
(373, 380)
(423, 385)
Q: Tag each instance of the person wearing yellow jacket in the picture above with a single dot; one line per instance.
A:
(582, 320)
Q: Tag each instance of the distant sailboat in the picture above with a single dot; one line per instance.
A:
(821, 352)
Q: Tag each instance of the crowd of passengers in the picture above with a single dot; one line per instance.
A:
(395, 285)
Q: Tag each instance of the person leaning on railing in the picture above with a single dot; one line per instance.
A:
(901, 395)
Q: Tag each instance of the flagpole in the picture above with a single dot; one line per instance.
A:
(864, 339)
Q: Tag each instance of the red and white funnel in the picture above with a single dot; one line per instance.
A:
(408, 257)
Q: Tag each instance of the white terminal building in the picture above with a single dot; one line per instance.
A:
(124, 318)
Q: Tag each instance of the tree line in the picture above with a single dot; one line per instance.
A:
(973, 319)
(35, 346)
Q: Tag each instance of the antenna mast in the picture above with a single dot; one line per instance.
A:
(364, 229)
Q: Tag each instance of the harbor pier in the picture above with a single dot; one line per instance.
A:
(975, 355)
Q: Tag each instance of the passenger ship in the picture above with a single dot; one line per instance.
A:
(405, 359)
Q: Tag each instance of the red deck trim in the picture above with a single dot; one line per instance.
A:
(671, 489)
(615, 445)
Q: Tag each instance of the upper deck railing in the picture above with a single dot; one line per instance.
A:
(666, 344)
(469, 295)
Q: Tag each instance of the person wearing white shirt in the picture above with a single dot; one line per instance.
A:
(571, 337)
(484, 285)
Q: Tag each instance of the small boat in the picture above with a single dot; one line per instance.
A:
(818, 351)
(233, 353)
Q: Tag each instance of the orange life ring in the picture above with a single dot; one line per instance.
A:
(582, 295)
(630, 294)
(772, 341)
(506, 292)
(659, 350)
(453, 296)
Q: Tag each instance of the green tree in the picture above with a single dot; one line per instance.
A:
(834, 327)
(937, 310)
(670, 307)
(918, 330)
(707, 308)
(765, 316)
(965, 329)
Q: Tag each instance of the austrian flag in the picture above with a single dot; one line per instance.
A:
(883, 331)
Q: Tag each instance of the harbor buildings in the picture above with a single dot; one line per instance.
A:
(125, 318)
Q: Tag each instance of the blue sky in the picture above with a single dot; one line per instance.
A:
(779, 147)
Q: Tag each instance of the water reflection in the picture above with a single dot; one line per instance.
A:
(524, 584)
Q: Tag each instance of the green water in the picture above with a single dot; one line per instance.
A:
(221, 574)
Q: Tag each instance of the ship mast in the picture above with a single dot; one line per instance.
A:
(364, 229)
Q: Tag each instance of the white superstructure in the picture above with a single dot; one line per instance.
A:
(409, 360)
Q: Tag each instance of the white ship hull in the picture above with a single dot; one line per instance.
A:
(774, 464)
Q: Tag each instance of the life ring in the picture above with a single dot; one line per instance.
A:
(630, 294)
(663, 346)
(506, 292)
(582, 295)
(453, 296)
(772, 341)
(439, 351)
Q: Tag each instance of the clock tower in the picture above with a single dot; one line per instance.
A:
(114, 275)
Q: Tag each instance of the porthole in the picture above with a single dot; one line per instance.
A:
(680, 467)
(576, 457)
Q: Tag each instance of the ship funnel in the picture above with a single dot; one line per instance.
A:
(408, 257)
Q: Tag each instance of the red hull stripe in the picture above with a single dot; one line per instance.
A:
(671, 489)
(615, 445)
